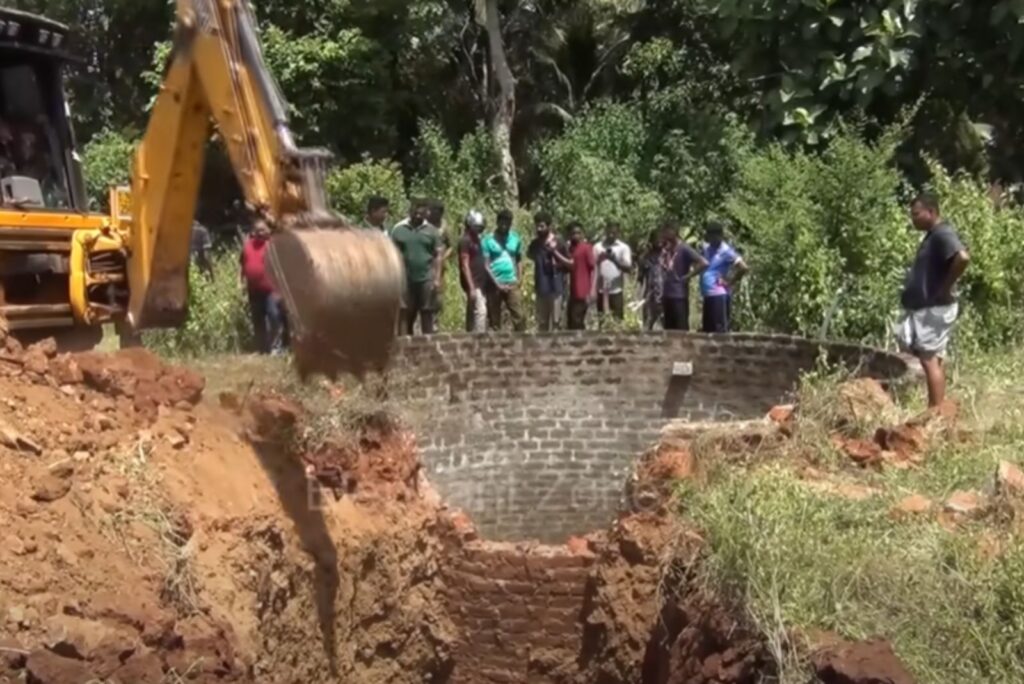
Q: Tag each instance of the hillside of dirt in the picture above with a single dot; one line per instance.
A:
(149, 537)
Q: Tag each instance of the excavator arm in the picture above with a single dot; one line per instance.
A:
(341, 286)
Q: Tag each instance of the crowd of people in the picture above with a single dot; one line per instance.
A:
(573, 277)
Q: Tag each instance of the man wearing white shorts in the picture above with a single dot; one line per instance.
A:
(929, 299)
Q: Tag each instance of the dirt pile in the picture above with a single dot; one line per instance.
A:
(865, 662)
(150, 536)
(76, 513)
(147, 538)
(649, 610)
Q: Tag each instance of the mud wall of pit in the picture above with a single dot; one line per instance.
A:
(533, 435)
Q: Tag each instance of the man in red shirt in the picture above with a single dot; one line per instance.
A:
(581, 276)
(265, 306)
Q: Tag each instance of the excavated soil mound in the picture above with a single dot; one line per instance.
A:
(147, 537)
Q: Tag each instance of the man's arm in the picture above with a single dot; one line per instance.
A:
(561, 257)
(446, 249)
(737, 271)
(698, 264)
(591, 263)
(466, 271)
(957, 265)
(533, 249)
(439, 254)
(626, 262)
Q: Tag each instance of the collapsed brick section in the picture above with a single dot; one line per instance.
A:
(534, 435)
(518, 610)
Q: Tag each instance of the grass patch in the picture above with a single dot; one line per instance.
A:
(804, 560)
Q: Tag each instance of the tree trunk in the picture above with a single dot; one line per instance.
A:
(503, 104)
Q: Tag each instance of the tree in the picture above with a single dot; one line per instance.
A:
(818, 60)
(502, 104)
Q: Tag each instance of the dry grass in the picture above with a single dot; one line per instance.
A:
(147, 506)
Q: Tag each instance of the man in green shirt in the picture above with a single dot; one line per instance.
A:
(503, 252)
(421, 248)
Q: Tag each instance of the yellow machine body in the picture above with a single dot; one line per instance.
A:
(65, 271)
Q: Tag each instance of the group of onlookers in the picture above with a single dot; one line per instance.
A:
(670, 264)
(571, 275)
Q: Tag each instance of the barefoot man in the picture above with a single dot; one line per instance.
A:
(929, 296)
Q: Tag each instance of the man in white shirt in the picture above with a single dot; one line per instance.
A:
(614, 261)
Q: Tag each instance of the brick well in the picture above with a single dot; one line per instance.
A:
(533, 436)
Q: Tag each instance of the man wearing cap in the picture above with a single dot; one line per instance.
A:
(473, 272)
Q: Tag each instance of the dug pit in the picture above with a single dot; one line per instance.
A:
(534, 436)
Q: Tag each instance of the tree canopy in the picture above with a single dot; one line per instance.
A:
(364, 78)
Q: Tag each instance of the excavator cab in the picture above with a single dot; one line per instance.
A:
(39, 170)
(42, 194)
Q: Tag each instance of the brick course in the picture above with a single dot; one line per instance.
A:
(518, 609)
(533, 435)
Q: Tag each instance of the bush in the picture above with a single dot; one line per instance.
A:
(829, 241)
(106, 162)
(350, 187)
(218, 315)
(695, 151)
(591, 173)
(464, 177)
(827, 238)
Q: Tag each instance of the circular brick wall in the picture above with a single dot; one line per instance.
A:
(533, 435)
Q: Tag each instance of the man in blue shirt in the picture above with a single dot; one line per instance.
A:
(550, 261)
(725, 269)
(503, 252)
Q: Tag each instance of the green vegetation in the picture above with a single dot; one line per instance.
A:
(218, 319)
(805, 125)
(805, 559)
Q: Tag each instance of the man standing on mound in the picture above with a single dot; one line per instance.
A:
(929, 296)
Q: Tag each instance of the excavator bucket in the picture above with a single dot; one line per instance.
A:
(342, 289)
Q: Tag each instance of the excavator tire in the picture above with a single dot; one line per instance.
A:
(342, 290)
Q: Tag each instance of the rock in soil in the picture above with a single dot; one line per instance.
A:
(862, 402)
(1010, 479)
(45, 667)
(860, 451)
(915, 504)
(863, 662)
(965, 503)
(48, 488)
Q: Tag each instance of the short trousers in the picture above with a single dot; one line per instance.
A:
(926, 332)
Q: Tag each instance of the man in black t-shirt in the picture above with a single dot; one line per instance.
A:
(550, 261)
(473, 272)
(928, 298)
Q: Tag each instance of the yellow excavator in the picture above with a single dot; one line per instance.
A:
(65, 272)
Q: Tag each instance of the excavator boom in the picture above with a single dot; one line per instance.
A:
(341, 286)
